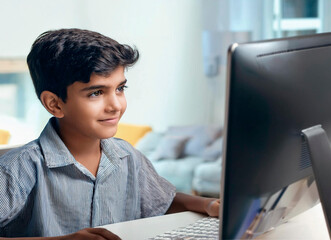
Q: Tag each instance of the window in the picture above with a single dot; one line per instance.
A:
(293, 17)
(21, 113)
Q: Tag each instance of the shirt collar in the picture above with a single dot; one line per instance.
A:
(55, 151)
(57, 154)
(112, 150)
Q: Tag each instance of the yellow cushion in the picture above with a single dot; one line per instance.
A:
(131, 132)
(4, 136)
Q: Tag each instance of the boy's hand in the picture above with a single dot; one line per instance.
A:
(84, 234)
(91, 233)
(185, 202)
(213, 208)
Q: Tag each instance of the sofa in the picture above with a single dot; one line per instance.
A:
(187, 156)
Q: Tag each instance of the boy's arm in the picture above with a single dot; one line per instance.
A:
(184, 202)
(84, 234)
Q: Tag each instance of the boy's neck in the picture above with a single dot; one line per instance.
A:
(86, 151)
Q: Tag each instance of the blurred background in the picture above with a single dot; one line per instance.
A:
(181, 76)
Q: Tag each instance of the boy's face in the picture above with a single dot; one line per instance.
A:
(93, 109)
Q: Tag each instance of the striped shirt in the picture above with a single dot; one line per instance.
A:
(44, 191)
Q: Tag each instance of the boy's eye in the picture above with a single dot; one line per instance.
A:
(96, 93)
(122, 88)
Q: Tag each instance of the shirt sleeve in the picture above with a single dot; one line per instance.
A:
(17, 178)
(157, 193)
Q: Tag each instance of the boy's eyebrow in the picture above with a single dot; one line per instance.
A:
(94, 87)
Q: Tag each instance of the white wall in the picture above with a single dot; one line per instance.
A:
(167, 86)
(22, 21)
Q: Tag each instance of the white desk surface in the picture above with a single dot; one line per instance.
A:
(309, 225)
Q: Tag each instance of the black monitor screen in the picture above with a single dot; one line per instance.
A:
(275, 89)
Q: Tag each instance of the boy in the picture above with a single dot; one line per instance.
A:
(75, 175)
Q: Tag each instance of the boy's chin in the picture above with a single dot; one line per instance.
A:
(108, 134)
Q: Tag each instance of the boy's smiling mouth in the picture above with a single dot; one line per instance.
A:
(111, 121)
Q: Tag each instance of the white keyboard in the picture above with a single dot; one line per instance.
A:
(205, 228)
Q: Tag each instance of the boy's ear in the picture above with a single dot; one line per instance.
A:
(52, 103)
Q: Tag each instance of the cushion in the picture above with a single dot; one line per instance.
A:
(4, 136)
(149, 142)
(170, 147)
(200, 137)
(131, 132)
(213, 151)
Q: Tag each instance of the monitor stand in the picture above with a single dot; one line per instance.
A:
(320, 155)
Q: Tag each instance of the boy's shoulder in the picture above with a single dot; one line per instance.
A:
(19, 153)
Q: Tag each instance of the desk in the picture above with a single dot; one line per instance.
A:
(308, 225)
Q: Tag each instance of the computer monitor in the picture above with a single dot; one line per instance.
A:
(275, 90)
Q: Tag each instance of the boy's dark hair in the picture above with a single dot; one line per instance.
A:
(59, 58)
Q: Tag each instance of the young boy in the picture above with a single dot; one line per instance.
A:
(75, 175)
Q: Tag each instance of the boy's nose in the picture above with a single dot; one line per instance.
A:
(113, 104)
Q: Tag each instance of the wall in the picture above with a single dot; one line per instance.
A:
(22, 21)
(167, 86)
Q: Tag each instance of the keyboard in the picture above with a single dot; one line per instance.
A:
(205, 228)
